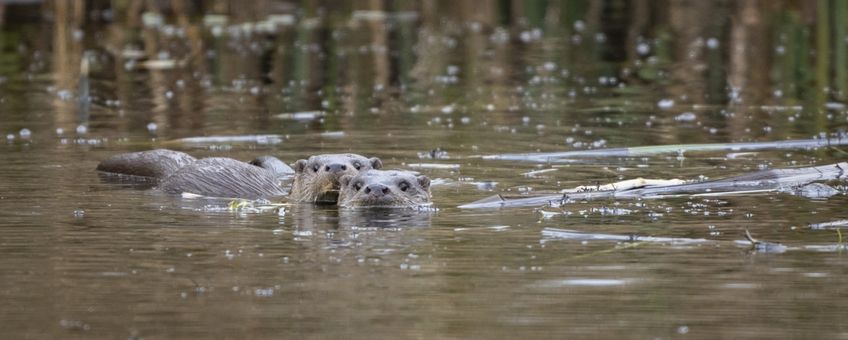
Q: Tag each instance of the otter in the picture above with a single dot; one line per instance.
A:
(177, 172)
(317, 179)
(384, 189)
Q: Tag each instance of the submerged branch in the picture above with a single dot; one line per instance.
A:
(778, 180)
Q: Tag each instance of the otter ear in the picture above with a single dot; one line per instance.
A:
(376, 163)
(299, 166)
(345, 180)
(424, 181)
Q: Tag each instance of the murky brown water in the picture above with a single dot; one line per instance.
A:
(80, 257)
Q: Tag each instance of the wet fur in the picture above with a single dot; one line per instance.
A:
(314, 183)
(223, 177)
(177, 172)
(353, 190)
(155, 164)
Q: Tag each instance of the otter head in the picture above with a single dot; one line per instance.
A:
(384, 189)
(317, 179)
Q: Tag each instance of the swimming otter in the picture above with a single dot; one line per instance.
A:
(224, 177)
(317, 179)
(154, 164)
(177, 172)
(385, 189)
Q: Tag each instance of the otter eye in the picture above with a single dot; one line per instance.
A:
(315, 167)
(357, 186)
(404, 186)
(357, 165)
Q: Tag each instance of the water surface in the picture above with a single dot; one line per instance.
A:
(83, 257)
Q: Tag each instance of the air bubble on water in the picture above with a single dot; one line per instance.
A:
(447, 109)
(579, 25)
(643, 49)
(263, 292)
(576, 39)
(79, 213)
(600, 37)
(712, 43)
(25, 133)
(682, 329)
(713, 131)
(65, 95)
(82, 129)
(525, 119)
(665, 104)
(780, 50)
(151, 127)
(686, 117)
(465, 120)
(452, 70)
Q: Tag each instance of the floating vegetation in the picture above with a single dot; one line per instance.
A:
(536, 173)
(830, 225)
(642, 151)
(433, 166)
(763, 247)
(555, 233)
(631, 241)
(258, 139)
(302, 116)
(254, 206)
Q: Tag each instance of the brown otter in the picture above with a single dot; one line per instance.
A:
(153, 164)
(384, 189)
(317, 179)
(177, 172)
(223, 177)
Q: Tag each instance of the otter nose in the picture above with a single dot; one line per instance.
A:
(377, 190)
(335, 167)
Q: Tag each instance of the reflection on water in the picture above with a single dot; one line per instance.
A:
(428, 86)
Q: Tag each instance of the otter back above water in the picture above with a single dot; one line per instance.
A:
(155, 164)
(177, 172)
(223, 177)
(316, 180)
